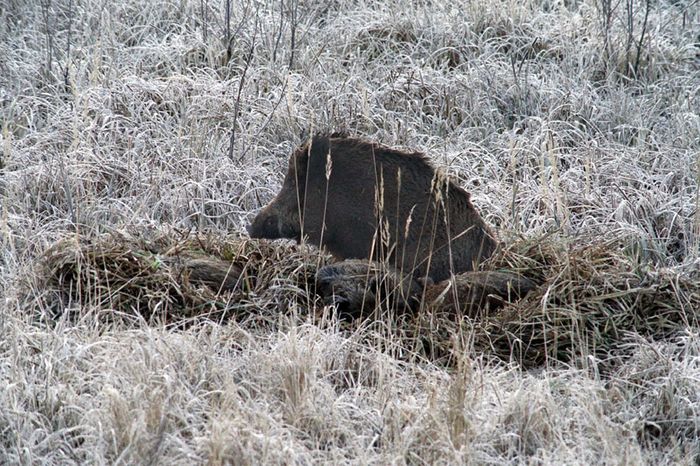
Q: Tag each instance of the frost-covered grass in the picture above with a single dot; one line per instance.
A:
(566, 117)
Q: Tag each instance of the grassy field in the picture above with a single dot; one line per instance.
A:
(573, 123)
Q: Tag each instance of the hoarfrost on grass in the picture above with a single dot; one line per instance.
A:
(120, 117)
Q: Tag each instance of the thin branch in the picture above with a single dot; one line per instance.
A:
(45, 10)
(641, 38)
(70, 29)
(228, 40)
(227, 20)
(237, 106)
(294, 33)
(279, 32)
(269, 117)
(205, 20)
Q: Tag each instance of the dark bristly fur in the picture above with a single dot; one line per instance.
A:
(362, 200)
(356, 285)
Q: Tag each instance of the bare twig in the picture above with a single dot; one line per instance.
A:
(227, 23)
(640, 44)
(230, 36)
(292, 45)
(279, 32)
(241, 83)
(68, 42)
(629, 9)
(205, 19)
(269, 118)
(45, 11)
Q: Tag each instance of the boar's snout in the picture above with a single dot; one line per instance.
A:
(264, 225)
(269, 225)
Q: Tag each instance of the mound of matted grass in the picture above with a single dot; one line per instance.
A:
(593, 299)
(593, 296)
(171, 277)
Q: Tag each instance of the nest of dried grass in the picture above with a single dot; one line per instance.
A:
(592, 296)
(172, 277)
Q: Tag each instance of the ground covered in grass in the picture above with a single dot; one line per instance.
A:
(136, 131)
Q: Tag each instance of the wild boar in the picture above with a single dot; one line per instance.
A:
(359, 199)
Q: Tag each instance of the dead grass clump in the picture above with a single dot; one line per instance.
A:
(376, 40)
(174, 277)
(592, 298)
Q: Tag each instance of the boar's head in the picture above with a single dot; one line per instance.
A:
(364, 200)
(284, 216)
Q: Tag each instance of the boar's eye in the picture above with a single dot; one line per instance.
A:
(288, 231)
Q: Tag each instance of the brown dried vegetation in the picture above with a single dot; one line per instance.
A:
(592, 295)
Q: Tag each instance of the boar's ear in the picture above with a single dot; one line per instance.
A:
(316, 146)
(318, 154)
